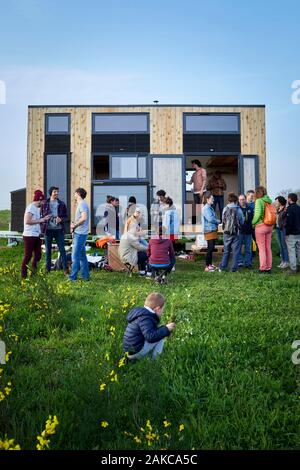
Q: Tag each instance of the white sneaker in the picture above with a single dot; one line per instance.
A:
(285, 265)
(142, 273)
(173, 269)
(280, 265)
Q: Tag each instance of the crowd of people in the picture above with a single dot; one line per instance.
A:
(247, 224)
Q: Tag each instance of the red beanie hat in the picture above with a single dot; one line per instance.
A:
(38, 195)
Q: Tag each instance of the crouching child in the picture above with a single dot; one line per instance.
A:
(143, 336)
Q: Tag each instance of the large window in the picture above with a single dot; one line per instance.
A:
(57, 123)
(211, 123)
(123, 192)
(120, 123)
(111, 167)
(57, 174)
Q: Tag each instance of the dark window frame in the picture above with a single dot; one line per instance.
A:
(112, 180)
(185, 131)
(120, 114)
(49, 115)
(109, 183)
(68, 201)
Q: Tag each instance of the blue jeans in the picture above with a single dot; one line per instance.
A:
(219, 201)
(79, 259)
(282, 245)
(245, 240)
(231, 243)
(59, 237)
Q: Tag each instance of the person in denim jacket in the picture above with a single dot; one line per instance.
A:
(210, 225)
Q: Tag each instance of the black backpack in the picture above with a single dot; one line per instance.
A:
(231, 224)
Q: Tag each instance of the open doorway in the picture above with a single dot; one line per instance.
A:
(228, 168)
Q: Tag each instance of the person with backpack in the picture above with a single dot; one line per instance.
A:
(232, 221)
(264, 219)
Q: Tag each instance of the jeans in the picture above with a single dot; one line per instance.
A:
(210, 248)
(149, 348)
(282, 245)
(142, 259)
(231, 242)
(219, 201)
(293, 244)
(59, 237)
(246, 240)
(263, 234)
(79, 259)
(32, 245)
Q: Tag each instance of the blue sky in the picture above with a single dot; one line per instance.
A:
(130, 51)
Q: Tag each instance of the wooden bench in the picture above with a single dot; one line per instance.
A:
(113, 258)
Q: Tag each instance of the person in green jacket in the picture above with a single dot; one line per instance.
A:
(263, 232)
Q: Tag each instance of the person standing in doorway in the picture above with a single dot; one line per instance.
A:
(198, 180)
(80, 230)
(54, 228)
(31, 233)
(293, 232)
(217, 186)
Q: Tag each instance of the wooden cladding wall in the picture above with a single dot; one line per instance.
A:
(166, 137)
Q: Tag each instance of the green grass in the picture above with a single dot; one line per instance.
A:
(226, 373)
(4, 219)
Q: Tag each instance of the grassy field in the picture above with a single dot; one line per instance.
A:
(224, 381)
(4, 219)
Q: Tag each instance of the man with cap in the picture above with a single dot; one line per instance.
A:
(54, 228)
(31, 234)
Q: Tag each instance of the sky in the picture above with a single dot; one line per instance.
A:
(136, 51)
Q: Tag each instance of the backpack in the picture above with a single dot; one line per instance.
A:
(270, 214)
(231, 224)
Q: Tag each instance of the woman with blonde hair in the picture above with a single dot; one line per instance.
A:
(263, 232)
(132, 249)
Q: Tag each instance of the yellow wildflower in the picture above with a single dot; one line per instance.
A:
(167, 424)
(102, 387)
(104, 424)
(181, 427)
(137, 440)
(9, 444)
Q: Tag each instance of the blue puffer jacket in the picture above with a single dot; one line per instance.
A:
(210, 221)
(142, 326)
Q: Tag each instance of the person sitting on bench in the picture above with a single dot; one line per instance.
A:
(161, 255)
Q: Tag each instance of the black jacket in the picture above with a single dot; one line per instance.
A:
(142, 326)
(292, 225)
(248, 212)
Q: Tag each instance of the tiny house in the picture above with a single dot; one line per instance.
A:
(135, 150)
